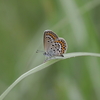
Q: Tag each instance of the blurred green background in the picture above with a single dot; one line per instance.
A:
(22, 23)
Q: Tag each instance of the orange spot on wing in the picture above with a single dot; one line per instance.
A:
(52, 36)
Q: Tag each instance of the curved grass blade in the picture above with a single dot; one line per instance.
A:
(42, 66)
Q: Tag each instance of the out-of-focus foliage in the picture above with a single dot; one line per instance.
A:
(22, 24)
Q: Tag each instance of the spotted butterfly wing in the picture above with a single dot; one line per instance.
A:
(49, 38)
(60, 46)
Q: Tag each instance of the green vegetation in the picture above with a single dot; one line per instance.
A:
(22, 24)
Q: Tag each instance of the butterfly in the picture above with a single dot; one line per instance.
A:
(54, 45)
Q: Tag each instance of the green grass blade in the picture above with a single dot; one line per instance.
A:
(42, 66)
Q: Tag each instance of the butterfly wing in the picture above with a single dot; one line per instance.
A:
(49, 38)
(62, 46)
